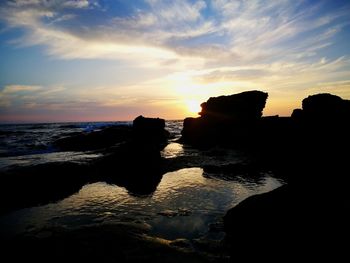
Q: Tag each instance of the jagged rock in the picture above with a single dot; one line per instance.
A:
(242, 107)
(309, 149)
(225, 119)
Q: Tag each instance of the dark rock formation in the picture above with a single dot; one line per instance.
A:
(41, 184)
(269, 225)
(139, 162)
(150, 131)
(326, 107)
(95, 140)
(144, 130)
(135, 166)
(131, 159)
(225, 120)
(239, 108)
(307, 222)
(323, 112)
(310, 209)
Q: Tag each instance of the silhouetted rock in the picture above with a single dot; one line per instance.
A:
(130, 157)
(297, 114)
(150, 131)
(225, 120)
(243, 107)
(144, 130)
(324, 110)
(106, 137)
(148, 125)
(133, 165)
(308, 150)
(137, 167)
(326, 107)
(41, 184)
(271, 221)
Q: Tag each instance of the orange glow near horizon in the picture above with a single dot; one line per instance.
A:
(193, 107)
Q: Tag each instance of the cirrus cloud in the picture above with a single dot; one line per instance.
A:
(190, 47)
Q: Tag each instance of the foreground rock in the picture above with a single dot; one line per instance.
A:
(41, 184)
(135, 166)
(150, 131)
(307, 217)
(225, 120)
(131, 159)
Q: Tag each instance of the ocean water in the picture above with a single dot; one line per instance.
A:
(29, 144)
(188, 202)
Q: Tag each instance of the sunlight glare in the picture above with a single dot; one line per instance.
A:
(193, 106)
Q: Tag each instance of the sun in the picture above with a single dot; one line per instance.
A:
(193, 106)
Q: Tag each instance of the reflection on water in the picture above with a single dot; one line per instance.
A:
(173, 150)
(184, 205)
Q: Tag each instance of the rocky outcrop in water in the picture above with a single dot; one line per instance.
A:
(136, 164)
(150, 131)
(245, 107)
(130, 157)
(87, 141)
(144, 130)
(225, 120)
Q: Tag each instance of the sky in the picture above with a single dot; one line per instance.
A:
(99, 60)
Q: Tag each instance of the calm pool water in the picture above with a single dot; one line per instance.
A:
(186, 204)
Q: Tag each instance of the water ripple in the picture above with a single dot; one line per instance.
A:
(205, 201)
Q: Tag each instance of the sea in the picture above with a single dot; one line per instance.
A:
(188, 203)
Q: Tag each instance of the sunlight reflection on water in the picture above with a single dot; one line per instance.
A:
(173, 150)
(191, 200)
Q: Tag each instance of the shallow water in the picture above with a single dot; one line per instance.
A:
(185, 205)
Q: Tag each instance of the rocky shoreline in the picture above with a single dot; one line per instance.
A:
(308, 150)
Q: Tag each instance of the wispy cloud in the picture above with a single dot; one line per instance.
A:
(252, 29)
(10, 89)
(76, 3)
(200, 47)
(20, 95)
